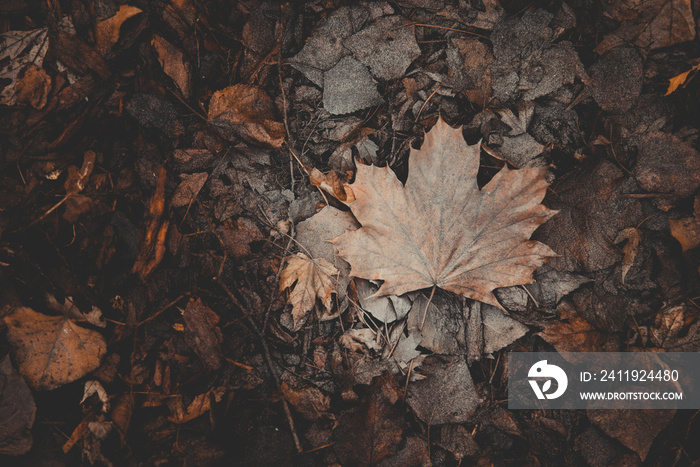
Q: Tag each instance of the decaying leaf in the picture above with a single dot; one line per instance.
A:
(372, 433)
(666, 164)
(17, 411)
(439, 229)
(202, 332)
(387, 46)
(313, 278)
(649, 24)
(307, 399)
(188, 189)
(174, 64)
(199, 406)
(686, 230)
(107, 31)
(246, 112)
(447, 395)
(348, 87)
(52, 350)
(315, 233)
(33, 87)
(632, 236)
(636, 429)
(593, 212)
(576, 334)
(19, 50)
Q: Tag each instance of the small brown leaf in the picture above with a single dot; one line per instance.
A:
(631, 248)
(440, 229)
(33, 87)
(107, 31)
(635, 429)
(199, 406)
(202, 332)
(313, 278)
(52, 350)
(174, 64)
(247, 112)
(687, 229)
(331, 184)
(576, 335)
(188, 188)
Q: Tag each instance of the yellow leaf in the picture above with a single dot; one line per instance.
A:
(313, 279)
(678, 80)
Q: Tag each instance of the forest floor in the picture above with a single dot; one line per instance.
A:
(171, 174)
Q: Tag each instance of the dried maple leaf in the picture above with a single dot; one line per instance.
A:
(439, 229)
(313, 280)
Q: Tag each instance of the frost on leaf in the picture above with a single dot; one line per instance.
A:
(313, 278)
(440, 229)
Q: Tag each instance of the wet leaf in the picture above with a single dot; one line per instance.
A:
(246, 112)
(439, 229)
(33, 87)
(632, 237)
(616, 79)
(309, 279)
(198, 407)
(52, 350)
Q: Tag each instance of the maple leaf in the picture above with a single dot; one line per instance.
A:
(313, 280)
(439, 229)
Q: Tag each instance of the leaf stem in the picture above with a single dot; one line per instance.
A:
(425, 312)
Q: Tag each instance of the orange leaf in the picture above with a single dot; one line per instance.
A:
(679, 80)
(52, 350)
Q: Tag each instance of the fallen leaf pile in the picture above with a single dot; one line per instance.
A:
(245, 234)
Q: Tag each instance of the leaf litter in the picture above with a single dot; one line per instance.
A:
(345, 86)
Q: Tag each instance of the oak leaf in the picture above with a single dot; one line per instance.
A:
(440, 229)
(313, 279)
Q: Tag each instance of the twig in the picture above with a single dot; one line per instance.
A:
(425, 312)
(268, 360)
